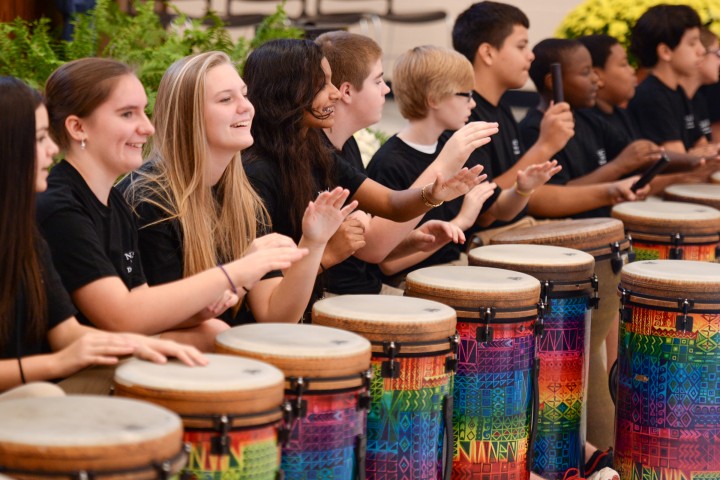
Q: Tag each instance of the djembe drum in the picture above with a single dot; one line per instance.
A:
(231, 410)
(496, 311)
(413, 360)
(89, 437)
(668, 393)
(568, 292)
(698, 193)
(326, 383)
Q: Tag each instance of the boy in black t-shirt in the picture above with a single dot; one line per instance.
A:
(666, 40)
(494, 37)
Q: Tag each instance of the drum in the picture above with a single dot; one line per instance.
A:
(715, 177)
(89, 437)
(326, 382)
(231, 410)
(568, 292)
(414, 345)
(671, 230)
(668, 394)
(604, 239)
(702, 193)
(496, 311)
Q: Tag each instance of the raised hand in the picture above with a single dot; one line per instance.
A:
(460, 184)
(271, 240)
(536, 175)
(463, 142)
(433, 234)
(323, 216)
(472, 204)
(557, 127)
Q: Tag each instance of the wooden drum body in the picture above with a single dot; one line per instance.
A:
(568, 293)
(604, 239)
(231, 410)
(496, 311)
(89, 437)
(414, 344)
(326, 383)
(668, 393)
(671, 230)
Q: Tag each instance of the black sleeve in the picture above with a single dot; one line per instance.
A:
(387, 168)
(260, 174)
(348, 176)
(60, 307)
(530, 127)
(160, 245)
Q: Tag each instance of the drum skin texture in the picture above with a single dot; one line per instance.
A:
(408, 409)
(668, 392)
(492, 388)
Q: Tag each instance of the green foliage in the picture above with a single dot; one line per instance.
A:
(616, 17)
(29, 50)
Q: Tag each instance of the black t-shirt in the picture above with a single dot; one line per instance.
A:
(621, 121)
(701, 119)
(712, 95)
(59, 309)
(397, 165)
(661, 113)
(161, 248)
(88, 240)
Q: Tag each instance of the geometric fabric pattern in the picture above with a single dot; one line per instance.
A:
(492, 402)
(651, 251)
(322, 443)
(254, 455)
(667, 422)
(405, 421)
(562, 388)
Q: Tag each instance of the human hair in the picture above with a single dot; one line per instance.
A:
(599, 47)
(351, 56)
(660, 24)
(283, 78)
(78, 88)
(707, 37)
(218, 222)
(428, 73)
(20, 267)
(547, 52)
(485, 22)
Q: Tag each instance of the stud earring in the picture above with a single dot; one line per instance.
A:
(82, 144)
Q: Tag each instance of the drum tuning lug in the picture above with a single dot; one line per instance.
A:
(390, 369)
(539, 328)
(163, 470)
(454, 343)
(676, 252)
(83, 475)
(626, 315)
(220, 445)
(360, 456)
(280, 475)
(684, 322)
(717, 252)
(546, 287)
(363, 401)
(542, 310)
(451, 365)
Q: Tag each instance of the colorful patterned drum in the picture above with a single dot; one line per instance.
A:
(568, 292)
(89, 437)
(668, 394)
(671, 230)
(414, 345)
(604, 239)
(231, 410)
(327, 375)
(702, 193)
(496, 311)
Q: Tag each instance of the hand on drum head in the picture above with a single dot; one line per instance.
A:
(323, 216)
(620, 191)
(158, 351)
(463, 142)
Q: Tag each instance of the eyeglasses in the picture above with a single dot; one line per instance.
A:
(715, 52)
(467, 95)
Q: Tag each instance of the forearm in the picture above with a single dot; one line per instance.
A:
(383, 237)
(35, 368)
(609, 172)
(563, 201)
(402, 260)
(508, 205)
(538, 153)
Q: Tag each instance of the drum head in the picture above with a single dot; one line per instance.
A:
(386, 317)
(86, 432)
(228, 384)
(715, 178)
(299, 350)
(673, 279)
(705, 194)
(668, 217)
(543, 262)
(586, 234)
(474, 286)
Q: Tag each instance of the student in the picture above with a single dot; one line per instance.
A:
(433, 88)
(194, 204)
(40, 339)
(357, 73)
(494, 38)
(666, 41)
(97, 117)
(291, 79)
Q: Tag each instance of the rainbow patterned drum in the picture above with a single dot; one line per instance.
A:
(604, 239)
(327, 375)
(704, 194)
(668, 393)
(671, 230)
(496, 311)
(231, 410)
(414, 344)
(87, 436)
(568, 292)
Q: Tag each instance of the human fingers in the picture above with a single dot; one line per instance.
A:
(349, 208)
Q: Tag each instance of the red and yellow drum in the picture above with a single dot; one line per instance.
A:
(89, 437)
(327, 375)
(496, 311)
(414, 345)
(668, 393)
(231, 410)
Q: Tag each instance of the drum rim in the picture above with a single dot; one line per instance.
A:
(606, 231)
